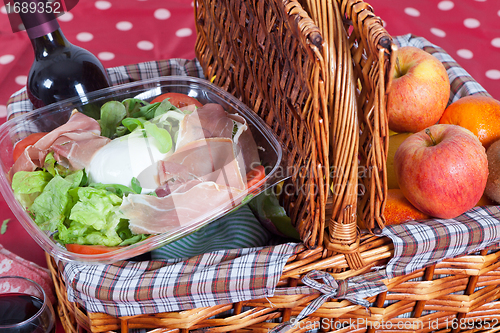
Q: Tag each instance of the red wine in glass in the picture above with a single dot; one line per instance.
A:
(27, 311)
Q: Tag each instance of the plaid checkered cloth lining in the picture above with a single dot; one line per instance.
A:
(219, 277)
(128, 288)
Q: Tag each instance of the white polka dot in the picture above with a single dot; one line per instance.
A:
(481, 0)
(84, 37)
(471, 23)
(493, 74)
(106, 56)
(446, 5)
(66, 17)
(438, 32)
(184, 32)
(498, 13)
(6, 59)
(412, 12)
(102, 5)
(145, 45)
(3, 111)
(162, 14)
(3, 10)
(464, 53)
(21, 80)
(496, 42)
(124, 26)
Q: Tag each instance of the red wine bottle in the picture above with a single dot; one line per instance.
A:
(60, 69)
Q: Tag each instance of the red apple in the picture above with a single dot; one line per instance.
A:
(419, 93)
(442, 170)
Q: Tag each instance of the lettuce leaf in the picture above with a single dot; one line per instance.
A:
(93, 206)
(27, 186)
(53, 205)
(93, 218)
(272, 215)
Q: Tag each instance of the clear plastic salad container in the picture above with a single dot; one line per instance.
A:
(270, 154)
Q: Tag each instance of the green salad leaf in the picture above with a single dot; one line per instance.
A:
(136, 185)
(133, 105)
(161, 137)
(54, 203)
(93, 218)
(3, 229)
(118, 189)
(272, 215)
(27, 186)
(133, 123)
(112, 114)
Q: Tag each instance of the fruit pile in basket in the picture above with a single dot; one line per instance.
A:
(443, 159)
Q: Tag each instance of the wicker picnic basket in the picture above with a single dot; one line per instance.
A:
(317, 72)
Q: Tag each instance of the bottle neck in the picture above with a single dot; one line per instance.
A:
(42, 29)
(39, 22)
(48, 43)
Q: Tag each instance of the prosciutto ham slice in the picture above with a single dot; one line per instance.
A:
(201, 176)
(73, 144)
(210, 121)
(194, 202)
(206, 159)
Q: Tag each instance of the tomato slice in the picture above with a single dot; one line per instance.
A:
(27, 141)
(177, 99)
(91, 249)
(255, 175)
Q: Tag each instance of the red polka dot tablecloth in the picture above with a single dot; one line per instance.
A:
(123, 32)
(131, 31)
(117, 32)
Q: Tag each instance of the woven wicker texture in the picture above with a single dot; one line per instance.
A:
(460, 293)
(317, 73)
(272, 60)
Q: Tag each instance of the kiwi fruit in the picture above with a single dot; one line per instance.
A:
(492, 189)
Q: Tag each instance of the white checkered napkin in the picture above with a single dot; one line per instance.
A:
(461, 82)
(131, 288)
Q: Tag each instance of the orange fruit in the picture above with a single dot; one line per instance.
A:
(479, 114)
(485, 201)
(399, 210)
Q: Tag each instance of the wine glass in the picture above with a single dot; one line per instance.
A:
(24, 307)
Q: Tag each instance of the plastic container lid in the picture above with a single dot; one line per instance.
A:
(271, 154)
